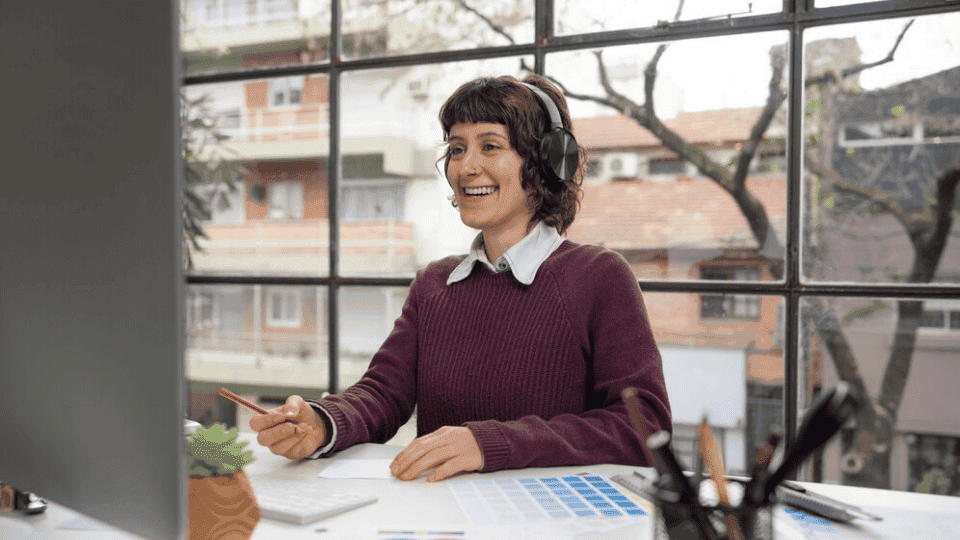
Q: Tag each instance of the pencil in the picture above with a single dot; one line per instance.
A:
(240, 401)
(714, 461)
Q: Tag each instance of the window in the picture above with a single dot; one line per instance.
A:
(372, 201)
(202, 310)
(729, 306)
(286, 200)
(225, 205)
(594, 167)
(666, 166)
(940, 316)
(821, 249)
(932, 460)
(879, 133)
(284, 309)
(286, 91)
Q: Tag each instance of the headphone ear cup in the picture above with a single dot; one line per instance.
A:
(559, 156)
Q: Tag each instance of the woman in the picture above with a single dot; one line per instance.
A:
(516, 354)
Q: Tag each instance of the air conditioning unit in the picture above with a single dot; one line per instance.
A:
(419, 89)
(622, 164)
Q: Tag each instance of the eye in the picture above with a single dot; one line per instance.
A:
(454, 151)
(490, 147)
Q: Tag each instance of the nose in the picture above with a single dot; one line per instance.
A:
(470, 163)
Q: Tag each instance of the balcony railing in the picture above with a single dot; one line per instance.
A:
(237, 14)
(381, 248)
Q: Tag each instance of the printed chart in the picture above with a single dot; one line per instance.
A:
(519, 500)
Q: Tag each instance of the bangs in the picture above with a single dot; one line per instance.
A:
(484, 101)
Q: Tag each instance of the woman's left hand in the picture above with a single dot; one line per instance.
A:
(450, 449)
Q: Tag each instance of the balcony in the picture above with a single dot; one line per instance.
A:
(302, 247)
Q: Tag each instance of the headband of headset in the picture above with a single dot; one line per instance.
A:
(559, 153)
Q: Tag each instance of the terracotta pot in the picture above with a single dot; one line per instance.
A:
(222, 507)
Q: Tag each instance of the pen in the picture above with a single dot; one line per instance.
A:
(714, 461)
(248, 404)
(796, 495)
(659, 445)
(760, 470)
(822, 421)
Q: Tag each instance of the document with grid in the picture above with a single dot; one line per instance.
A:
(517, 500)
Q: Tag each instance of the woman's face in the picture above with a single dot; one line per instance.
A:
(484, 172)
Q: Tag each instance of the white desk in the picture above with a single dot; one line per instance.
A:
(425, 505)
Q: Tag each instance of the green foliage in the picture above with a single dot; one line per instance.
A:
(214, 450)
(863, 312)
(204, 161)
(935, 481)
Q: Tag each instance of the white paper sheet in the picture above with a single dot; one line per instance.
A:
(358, 468)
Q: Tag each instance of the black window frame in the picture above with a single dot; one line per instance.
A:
(796, 17)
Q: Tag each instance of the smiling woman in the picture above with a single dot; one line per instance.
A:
(517, 353)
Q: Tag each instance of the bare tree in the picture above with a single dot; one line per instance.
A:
(867, 457)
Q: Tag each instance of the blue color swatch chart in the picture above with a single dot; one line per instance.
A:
(518, 500)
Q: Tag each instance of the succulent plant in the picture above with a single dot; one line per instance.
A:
(215, 451)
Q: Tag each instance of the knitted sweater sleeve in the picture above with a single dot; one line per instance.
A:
(605, 308)
(382, 401)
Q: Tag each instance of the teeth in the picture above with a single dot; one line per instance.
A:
(479, 190)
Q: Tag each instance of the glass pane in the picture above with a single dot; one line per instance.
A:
(577, 17)
(833, 3)
(875, 344)
(257, 158)
(728, 368)
(879, 140)
(675, 221)
(394, 211)
(367, 316)
(392, 27)
(224, 35)
(259, 341)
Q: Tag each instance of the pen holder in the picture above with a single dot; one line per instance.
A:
(677, 520)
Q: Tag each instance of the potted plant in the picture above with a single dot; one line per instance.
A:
(221, 500)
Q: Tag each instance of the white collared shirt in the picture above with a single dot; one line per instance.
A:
(523, 258)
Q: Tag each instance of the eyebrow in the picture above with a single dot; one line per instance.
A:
(484, 134)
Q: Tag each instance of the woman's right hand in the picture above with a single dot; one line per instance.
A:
(296, 439)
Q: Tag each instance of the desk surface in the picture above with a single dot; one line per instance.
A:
(420, 504)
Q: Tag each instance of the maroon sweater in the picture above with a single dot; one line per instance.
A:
(535, 372)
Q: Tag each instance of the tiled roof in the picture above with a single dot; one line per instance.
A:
(696, 127)
(685, 213)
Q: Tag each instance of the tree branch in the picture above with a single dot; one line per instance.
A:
(775, 98)
(830, 77)
(495, 27)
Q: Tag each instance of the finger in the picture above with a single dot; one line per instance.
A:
(410, 455)
(413, 452)
(290, 447)
(448, 469)
(260, 422)
(427, 461)
(274, 434)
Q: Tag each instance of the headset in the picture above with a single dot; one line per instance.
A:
(559, 153)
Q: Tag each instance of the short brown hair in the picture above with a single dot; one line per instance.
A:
(504, 100)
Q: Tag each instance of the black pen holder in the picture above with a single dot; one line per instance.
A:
(677, 520)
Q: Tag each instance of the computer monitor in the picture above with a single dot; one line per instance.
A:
(91, 285)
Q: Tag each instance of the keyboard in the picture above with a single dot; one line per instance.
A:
(302, 503)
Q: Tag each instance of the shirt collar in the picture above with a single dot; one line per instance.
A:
(523, 258)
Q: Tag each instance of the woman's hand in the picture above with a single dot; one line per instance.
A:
(292, 440)
(450, 449)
